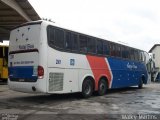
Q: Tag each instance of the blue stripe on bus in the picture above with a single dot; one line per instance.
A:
(24, 72)
(123, 75)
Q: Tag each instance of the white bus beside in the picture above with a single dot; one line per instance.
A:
(50, 59)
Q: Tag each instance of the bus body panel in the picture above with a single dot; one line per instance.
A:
(119, 73)
(24, 65)
(62, 80)
(126, 72)
(100, 68)
(24, 50)
(70, 67)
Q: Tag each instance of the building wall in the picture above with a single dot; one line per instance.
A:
(156, 53)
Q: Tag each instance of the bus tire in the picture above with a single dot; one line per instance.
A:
(87, 88)
(140, 86)
(102, 87)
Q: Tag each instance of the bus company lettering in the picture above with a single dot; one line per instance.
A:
(23, 62)
(131, 66)
(26, 47)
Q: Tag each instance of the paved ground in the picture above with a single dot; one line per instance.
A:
(129, 103)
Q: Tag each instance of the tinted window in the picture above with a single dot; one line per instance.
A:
(51, 35)
(99, 47)
(139, 55)
(91, 45)
(132, 54)
(122, 51)
(74, 39)
(83, 43)
(106, 48)
(118, 50)
(113, 49)
(142, 56)
(59, 38)
(136, 54)
(125, 52)
(79, 42)
(55, 37)
(71, 41)
(128, 52)
(68, 41)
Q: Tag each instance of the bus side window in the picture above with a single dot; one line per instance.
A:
(139, 55)
(83, 43)
(50, 35)
(91, 45)
(118, 50)
(99, 47)
(106, 50)
(136, 55)
(132, 54)
(74, 39)
(125, 52)
(59, 38)
(68, 42)
(142, 56)
(113, 49)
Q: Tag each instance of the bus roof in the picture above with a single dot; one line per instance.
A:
(56, 25)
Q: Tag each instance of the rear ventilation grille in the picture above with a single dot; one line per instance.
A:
(56, 81)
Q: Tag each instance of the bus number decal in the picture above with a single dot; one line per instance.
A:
(58, 61)
(72, 62)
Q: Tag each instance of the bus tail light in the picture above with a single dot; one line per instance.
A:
(40, 72)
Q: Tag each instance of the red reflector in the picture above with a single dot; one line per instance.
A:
(40, 71)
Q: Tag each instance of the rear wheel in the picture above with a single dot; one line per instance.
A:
(87, 88)
(102, 87)
(140, 86)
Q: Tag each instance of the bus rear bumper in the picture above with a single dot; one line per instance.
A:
(26, 87)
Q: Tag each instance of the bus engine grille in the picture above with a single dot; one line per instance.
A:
(56, 81)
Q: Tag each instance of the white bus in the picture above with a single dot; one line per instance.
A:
(50, 59)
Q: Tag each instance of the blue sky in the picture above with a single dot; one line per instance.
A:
(135, 23)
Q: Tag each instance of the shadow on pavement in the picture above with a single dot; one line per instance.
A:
(43, 98)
